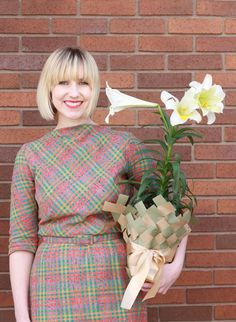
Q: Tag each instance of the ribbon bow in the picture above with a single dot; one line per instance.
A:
(144, 264)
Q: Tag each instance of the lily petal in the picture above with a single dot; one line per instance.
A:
(207, 82)
(175, 119)
(195, 116)
(211, 118)
(120, 101)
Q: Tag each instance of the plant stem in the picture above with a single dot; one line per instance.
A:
(167, 156)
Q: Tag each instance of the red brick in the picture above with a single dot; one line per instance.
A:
(230, 98)
(174, 296)
(17, 99)
(197, 278)
(117, 80)
(225, 277)
(227, 117)
(230, 61)
(137, 62)
(79, 26)
(5, 281)
(9, 81)
(5, 191)
(209, 134)
(102, 61)
(109, 8)
(3, 245)
(230, 134)
(20, 135)
(9, 7)
(215, 224)
(8, 154)
(225, 312)
(24, 26)
(215, 152)
(230, 26)
(108, 43)
(7, 315)
(123, 118)
(22, 62)
(6, 172)
(163, 80)
(4, 264)
(216, 8)
(5, 209)
(224, 79)
(144, 133)
(213, 188)
(29, 80)
(137, 26)
(4, 224)
(44, 7)
(205, 206)
(152, 314)
(226, 206)
(201, 242)
(215, 44)
(33, 118)
(226, 241)
(211, 295)
(148, 117)
(166, 8)
(198, 170)
(6, 299)
(226, 170)
(8, 44)
(46, 44)
(211, 259)
(186, 313)
(195, 26)
(166, 43)
(183, 62)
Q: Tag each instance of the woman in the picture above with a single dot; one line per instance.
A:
(63, 247)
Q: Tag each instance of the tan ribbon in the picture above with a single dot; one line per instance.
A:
(144, 264)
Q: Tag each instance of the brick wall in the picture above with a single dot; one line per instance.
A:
(141, 47)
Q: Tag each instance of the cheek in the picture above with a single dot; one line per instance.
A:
(87, 93)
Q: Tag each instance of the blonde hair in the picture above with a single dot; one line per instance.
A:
(63, 64)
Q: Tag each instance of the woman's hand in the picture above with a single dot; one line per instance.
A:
(171, 271)
(169, 275)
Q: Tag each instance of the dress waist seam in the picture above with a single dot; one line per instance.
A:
(80, 239)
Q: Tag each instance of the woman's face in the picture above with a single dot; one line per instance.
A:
(71, 99)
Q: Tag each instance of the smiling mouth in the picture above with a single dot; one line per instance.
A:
(73, 104)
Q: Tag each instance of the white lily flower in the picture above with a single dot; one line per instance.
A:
(183, 110)
(120, 101)
(209, 97)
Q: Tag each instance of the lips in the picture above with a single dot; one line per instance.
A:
(73, 104)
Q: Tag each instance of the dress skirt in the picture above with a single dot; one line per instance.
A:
(81, 279)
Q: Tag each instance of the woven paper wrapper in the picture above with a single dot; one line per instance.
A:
(152, 236)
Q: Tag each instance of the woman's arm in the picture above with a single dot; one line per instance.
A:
(171, 271)
(20, 267)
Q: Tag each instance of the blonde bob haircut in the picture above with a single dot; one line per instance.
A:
(64, 64)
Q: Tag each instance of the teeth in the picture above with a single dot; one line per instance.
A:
(74, 103)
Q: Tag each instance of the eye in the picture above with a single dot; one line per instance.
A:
(83, 82)
(63, 83)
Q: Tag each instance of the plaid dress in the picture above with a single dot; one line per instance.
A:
(59, 185)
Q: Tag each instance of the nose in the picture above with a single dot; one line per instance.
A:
(74, 89)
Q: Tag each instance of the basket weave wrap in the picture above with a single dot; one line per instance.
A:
(152, 236)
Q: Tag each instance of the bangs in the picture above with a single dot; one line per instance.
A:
(71, 68)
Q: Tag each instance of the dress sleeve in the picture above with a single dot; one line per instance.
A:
(24, 209)
(137, 160)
